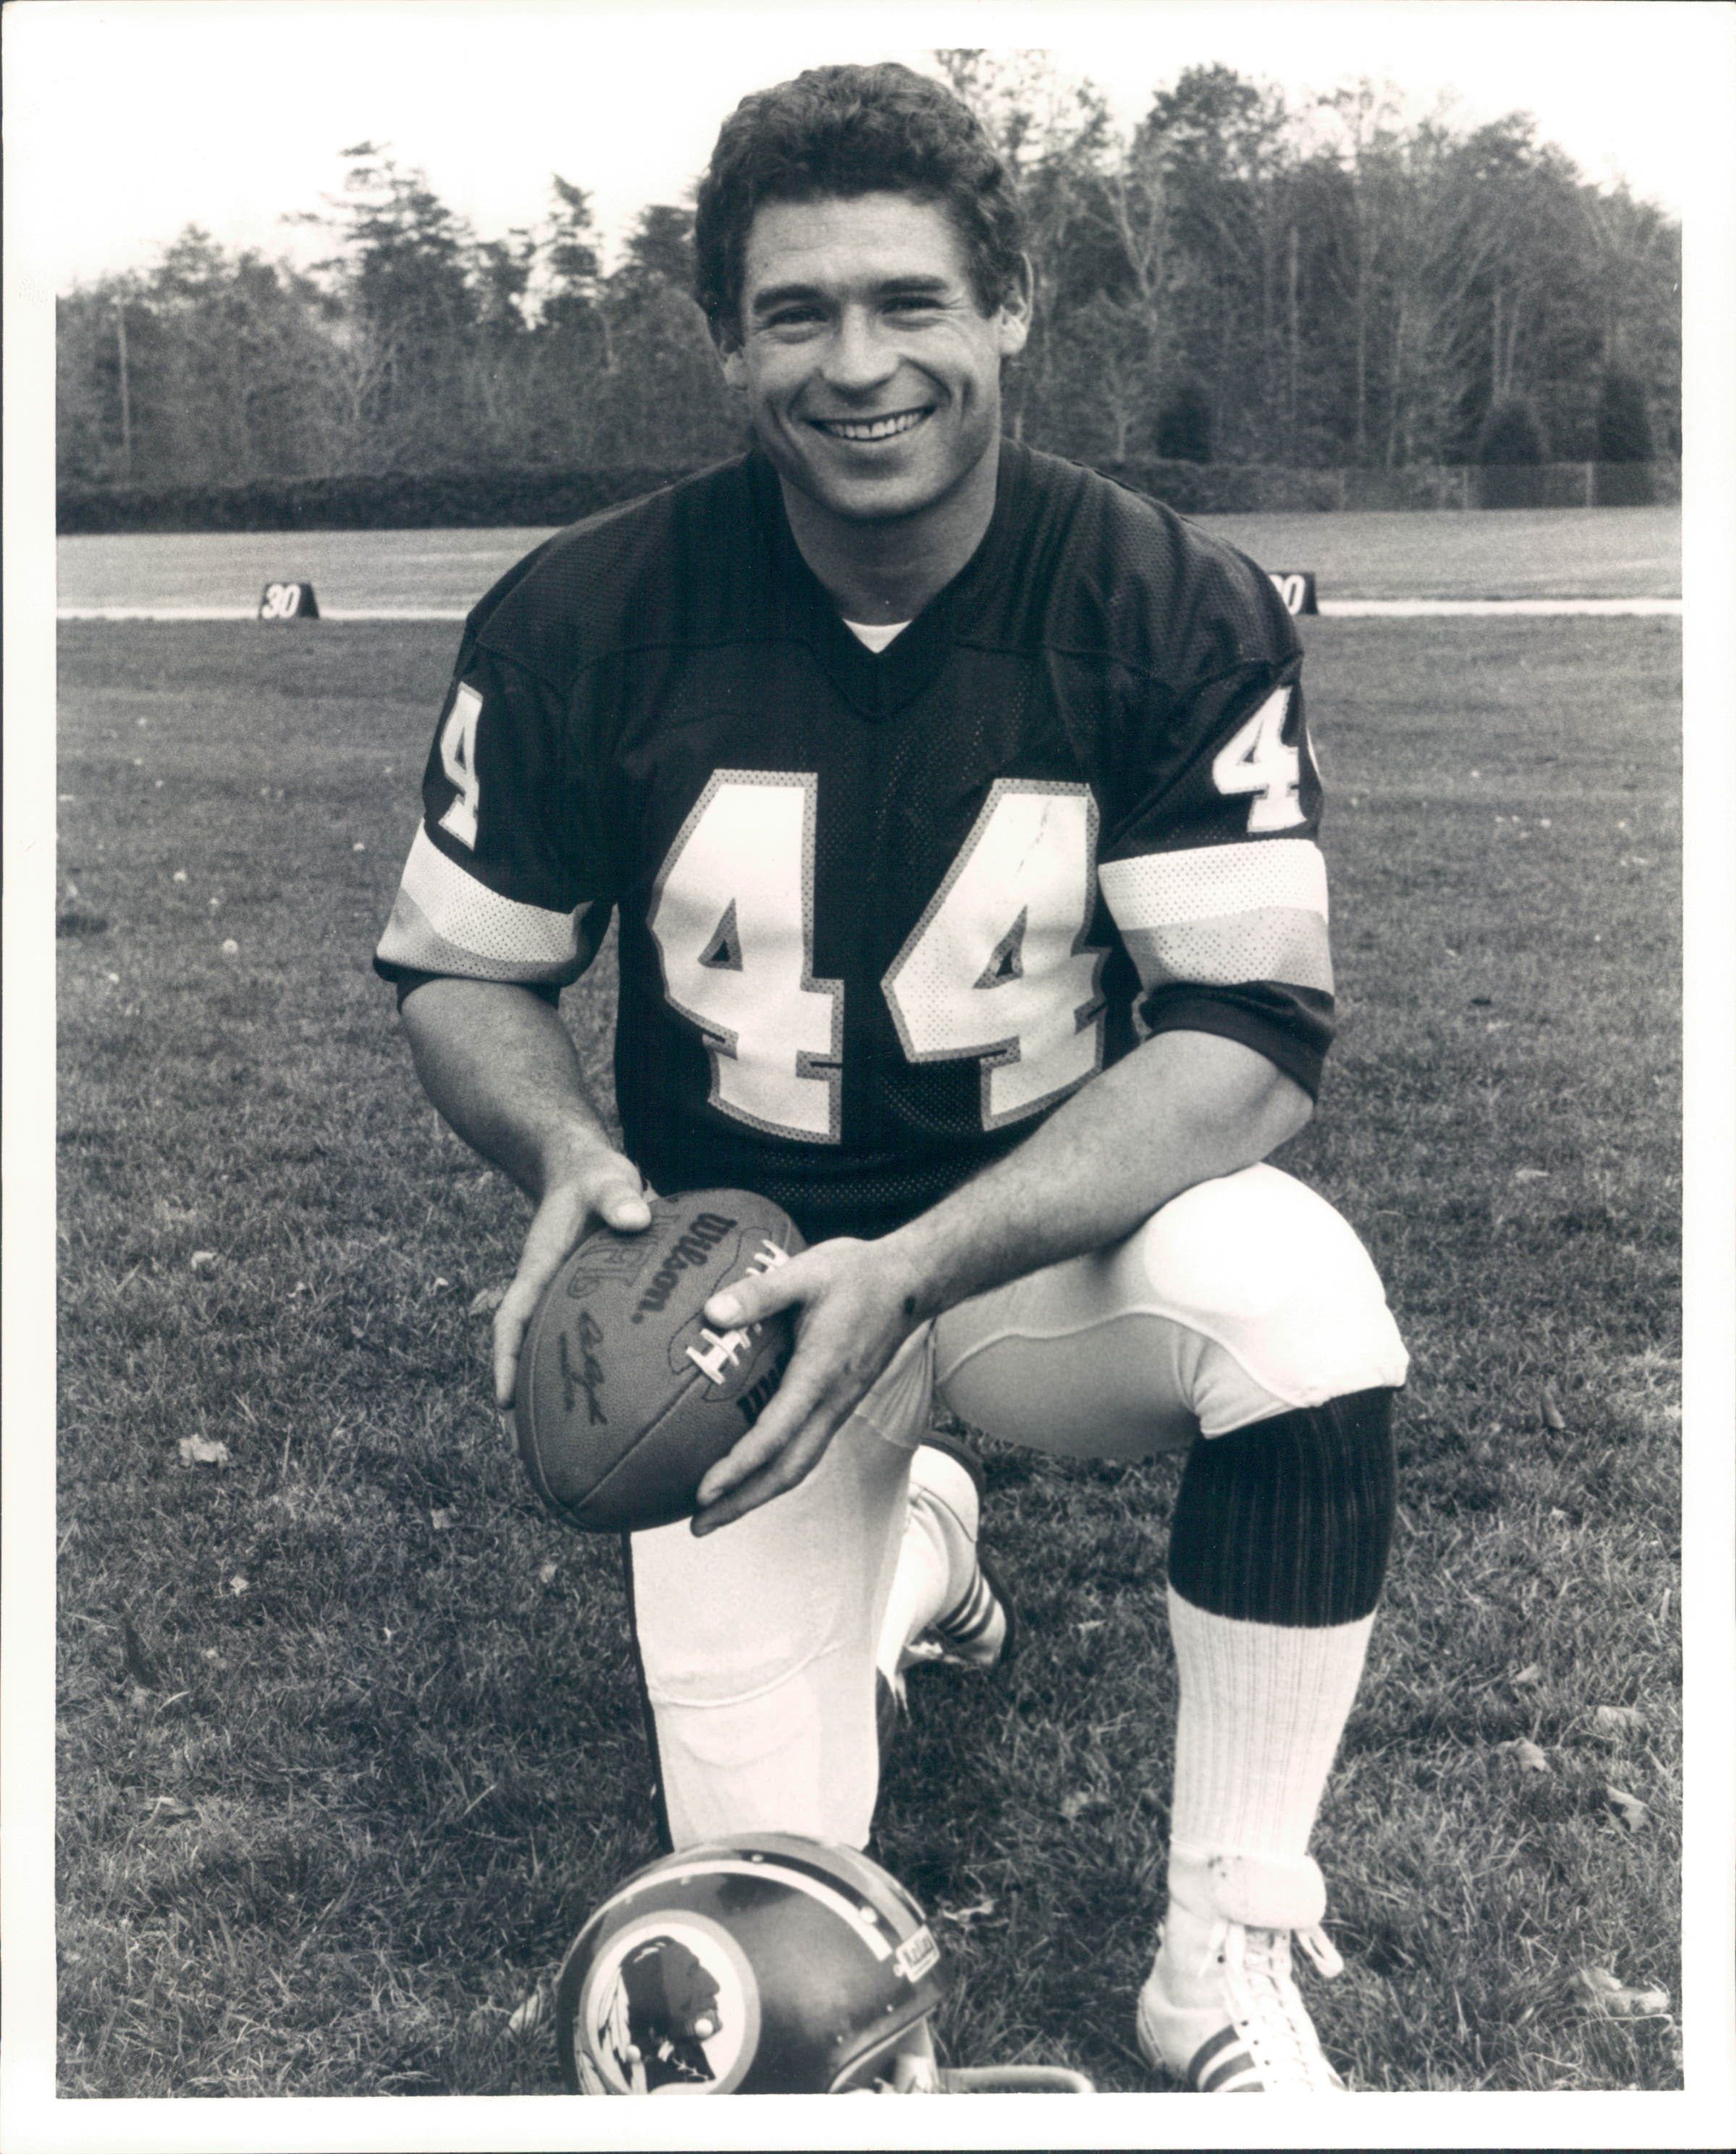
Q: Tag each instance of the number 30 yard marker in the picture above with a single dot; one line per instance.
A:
(289, 601)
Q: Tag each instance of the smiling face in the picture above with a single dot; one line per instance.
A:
(871, 373)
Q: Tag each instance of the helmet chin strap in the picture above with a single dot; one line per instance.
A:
(916, 2069)
(1015, 2078)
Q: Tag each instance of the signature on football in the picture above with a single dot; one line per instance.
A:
(588, 1377)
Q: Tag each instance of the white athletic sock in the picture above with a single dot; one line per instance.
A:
(1263, 1707)
(937, 1558)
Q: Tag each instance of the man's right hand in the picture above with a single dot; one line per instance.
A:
(610, 1189)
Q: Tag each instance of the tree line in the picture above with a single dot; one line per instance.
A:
(1237, 278)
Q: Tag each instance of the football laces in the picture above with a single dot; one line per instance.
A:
(721, 1349)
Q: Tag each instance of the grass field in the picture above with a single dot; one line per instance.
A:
(348, 1743)
(1567, 552)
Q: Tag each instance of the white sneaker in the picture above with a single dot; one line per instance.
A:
(1245, 2029)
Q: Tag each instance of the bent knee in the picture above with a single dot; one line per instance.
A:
(1274, 1282)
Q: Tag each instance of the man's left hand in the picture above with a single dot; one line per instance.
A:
(855, 1307)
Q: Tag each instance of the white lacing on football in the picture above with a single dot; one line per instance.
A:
(721, 1349)
(1267, 2043)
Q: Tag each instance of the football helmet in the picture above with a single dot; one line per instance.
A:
(772, 1965)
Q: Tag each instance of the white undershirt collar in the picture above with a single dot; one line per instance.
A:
(877, 634)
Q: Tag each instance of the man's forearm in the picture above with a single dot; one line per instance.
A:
(1185, 1107)
(500, 1066)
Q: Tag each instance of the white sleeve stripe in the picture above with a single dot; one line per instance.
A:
(1280, 943)
(1211, 882)
(411, 941)
(466, 912)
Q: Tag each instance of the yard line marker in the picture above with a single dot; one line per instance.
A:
(1350, 609)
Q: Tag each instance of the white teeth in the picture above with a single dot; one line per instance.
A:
(871, 429)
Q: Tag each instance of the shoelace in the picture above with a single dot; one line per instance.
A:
(1264, 2000)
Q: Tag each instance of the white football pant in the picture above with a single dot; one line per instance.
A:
(1243, 1297)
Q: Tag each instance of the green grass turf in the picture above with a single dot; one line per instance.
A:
(348, 1744)
(1567, 552)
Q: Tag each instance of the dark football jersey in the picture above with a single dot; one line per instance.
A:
(880, 912)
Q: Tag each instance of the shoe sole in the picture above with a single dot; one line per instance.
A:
(1204, 2058)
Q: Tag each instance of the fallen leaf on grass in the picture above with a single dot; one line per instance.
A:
(962, 1917)
(1602, 1991)
(140, 1664)
(442, 1520)
(1616, 1722)
(1631, 1811)
(238, 1585)
(548, 1574)
(1550, 1409)
(1526, 1755)
(167, 1810)
(203, 1451)
(529, 2013)
(1081, 1799)
(487, 1301)
(1532, 1673)
(204, 1262)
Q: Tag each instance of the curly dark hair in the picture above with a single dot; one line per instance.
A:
(855, 130)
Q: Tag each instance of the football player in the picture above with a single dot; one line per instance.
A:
(957, 810)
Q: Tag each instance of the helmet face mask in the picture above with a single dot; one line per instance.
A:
(770, 1965)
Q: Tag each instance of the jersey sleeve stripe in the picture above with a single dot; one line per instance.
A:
(1221, 914)
(1205, 883)
(1271, 942)
(445, 920)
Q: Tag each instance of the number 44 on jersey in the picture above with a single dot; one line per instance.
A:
(998, 969)
(732, 919)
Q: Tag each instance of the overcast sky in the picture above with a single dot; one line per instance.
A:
(127, 119)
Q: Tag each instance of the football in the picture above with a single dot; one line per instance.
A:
(624, 1395)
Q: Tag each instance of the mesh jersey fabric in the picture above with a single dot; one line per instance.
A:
(879, 911)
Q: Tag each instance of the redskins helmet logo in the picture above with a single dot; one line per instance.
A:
(670, 2007)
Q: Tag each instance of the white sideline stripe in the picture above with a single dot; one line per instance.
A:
(252, 613)
(1422, 608)
(1388, 609)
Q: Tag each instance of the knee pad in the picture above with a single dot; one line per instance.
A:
(1284, 1299)
(1289, 1521)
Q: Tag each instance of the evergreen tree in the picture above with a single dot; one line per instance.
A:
(1510, 435)
(1624, 441)
(1184, 423)
(1623, 428)
(1510, 449)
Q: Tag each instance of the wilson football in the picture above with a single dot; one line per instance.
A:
(624, 1397)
